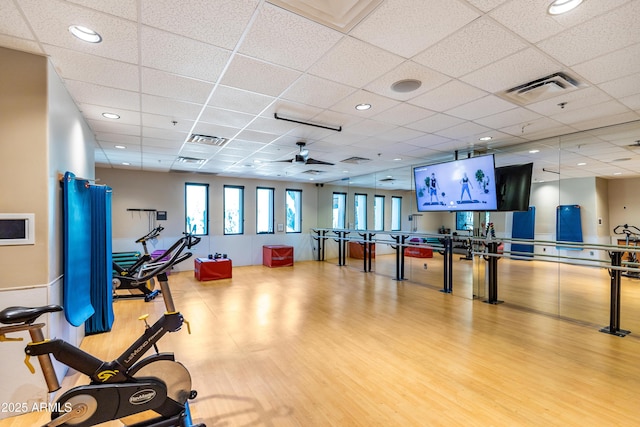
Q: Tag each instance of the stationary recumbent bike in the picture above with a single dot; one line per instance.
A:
(125, 386)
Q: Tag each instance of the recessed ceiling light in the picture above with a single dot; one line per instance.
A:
(617, 173)
(362, 107)
(485, 138)
(120, 147)
(582, 164)
(113, 116)
(397, 159)
(126, 163)
(534, 151)
(85, 34)
(558, 7)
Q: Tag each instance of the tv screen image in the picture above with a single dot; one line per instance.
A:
(459, 185)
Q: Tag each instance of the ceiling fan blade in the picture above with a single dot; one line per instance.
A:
(318, 162)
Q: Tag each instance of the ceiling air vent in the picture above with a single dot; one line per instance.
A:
(355, 160)
(191, 160)
(207, 140)
(541, 89)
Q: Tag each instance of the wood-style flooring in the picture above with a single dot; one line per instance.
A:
(321, 345)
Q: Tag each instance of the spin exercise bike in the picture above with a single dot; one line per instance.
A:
(124, 278)
(125, 386)
(632, 235)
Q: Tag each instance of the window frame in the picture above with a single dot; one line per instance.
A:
(224, 209)
(206, 207)
(355, 211)
(344, 210)
(298, 214)
(398, 215)
(271, 210)
(376, 198)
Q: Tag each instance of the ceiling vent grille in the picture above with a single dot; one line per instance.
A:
(207, 140)
(191, 160)
(541, 89)
(313, 172)
(355, 160)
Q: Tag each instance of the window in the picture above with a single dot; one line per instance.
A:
(264, 210)
(293, 206)
(396, 213)
(360, 212)
(339, 211)
(233, 206)
(378, 213)
(196, 204)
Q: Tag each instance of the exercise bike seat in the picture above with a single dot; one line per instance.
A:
(27, 315)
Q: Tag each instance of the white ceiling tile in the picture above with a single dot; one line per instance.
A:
(622, 87)
(574, 100)
(159, 144)
(435, 123)
(174, 136)
(11, 22)
(316, 91)
(122, 8)
(345, 63)
(271, 125)
(168, 85)
(482, 107)
(463, 130)
(400, 134)
(219, 22)
(102, 126)
(229, 98)
(537, 129)
(417, 25)
(229, 118)
(287, 39)
(614, 30)
(478, 44)
(612, 66)
(407, 70)
(507, 118)
(403, 114)
(369, 128)
(252, 135)
(170, 107)
(258, 76)
(166, 122)
(428, 140)
(89, 93)
(519, 68)
(448, 96)
(80, 66)
(633, 102)
(50, 21)
(118, 138)
(180, 55)
(486, 5)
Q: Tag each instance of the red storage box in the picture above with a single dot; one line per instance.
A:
(356, 250)
(212, 269)
(418, 252)
(277, 255)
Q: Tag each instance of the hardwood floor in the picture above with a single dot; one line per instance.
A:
(320, 345)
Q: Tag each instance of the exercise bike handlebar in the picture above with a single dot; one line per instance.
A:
(151, 235)
(152, 270)
(629, 230)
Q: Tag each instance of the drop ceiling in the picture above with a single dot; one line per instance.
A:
(226, 68)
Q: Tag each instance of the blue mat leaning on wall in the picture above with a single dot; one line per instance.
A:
(87, 294)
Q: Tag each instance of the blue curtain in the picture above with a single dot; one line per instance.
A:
(101, 274)
(568, 226)
(523, 227)
(87, 289)
(77, 250)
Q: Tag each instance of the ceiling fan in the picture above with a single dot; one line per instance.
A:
(302, 158)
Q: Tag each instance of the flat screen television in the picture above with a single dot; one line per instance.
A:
(513, 187)
(459, 185)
